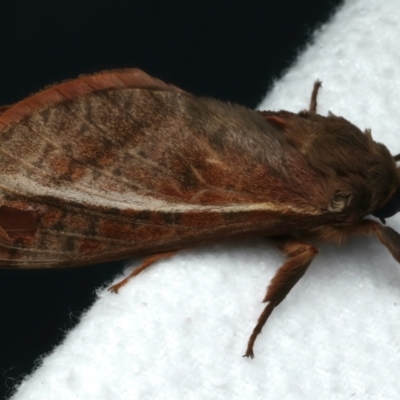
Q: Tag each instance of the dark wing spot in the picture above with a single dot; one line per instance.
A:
(18, 223)
(171, 218)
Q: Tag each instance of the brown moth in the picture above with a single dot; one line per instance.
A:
(118, 164)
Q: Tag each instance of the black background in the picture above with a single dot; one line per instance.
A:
(224, 49)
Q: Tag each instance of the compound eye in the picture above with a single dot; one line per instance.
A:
(390, 208)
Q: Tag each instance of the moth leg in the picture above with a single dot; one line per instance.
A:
(314, 95)
(146, 263)
(300, 256)
(386, 235)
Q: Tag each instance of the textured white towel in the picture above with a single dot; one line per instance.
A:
(178, 330)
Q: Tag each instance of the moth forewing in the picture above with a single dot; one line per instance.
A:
(118, 164)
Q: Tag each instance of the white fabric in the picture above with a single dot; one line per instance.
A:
(179, 330)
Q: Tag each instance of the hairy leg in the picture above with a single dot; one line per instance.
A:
(300, 254)
(314, 95)
(146, 263)
(386, 235)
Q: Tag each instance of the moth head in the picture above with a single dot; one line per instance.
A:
(392, 206)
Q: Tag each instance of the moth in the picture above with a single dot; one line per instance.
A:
(118, 164)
